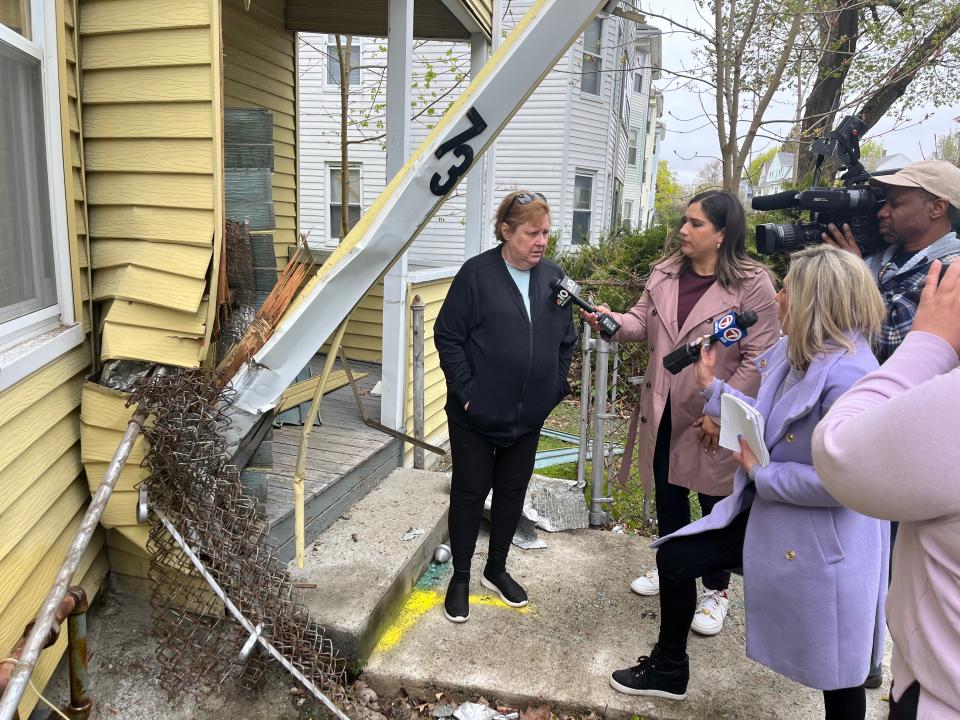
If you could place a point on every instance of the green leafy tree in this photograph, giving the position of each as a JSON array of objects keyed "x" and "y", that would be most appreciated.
[{"x": 668, "y": 202}]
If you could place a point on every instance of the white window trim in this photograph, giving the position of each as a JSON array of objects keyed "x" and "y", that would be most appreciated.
[
  {"x": 332, "y": 40},
  {"x": 332, "y": 240},
  {"x": 30, "y": 342},
  {"x": 597, "y": 96},
  {"x": 592, "y": 174}
]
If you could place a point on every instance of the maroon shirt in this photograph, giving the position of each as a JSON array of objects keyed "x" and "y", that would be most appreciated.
[{"x": 692, "y": 288}]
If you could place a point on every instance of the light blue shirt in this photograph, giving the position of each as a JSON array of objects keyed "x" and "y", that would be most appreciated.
[{"x": 522, "y": 279}]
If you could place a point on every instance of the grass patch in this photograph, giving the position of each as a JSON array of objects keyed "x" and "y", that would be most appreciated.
[{"x": 552, "y": 443}]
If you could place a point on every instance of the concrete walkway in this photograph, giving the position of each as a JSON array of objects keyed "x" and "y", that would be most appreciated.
[{"x": 582, "y": 623}]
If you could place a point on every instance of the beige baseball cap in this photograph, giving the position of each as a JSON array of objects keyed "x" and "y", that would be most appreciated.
[{"x": 937, "y": 177}]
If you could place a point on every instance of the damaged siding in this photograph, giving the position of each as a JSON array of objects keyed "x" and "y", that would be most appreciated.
[
  {"x": 152, "y": 136},
  {"x": 260, "y": 71}
]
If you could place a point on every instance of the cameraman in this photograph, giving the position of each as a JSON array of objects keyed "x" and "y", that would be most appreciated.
[
  {"x": 918, "y": 221},
  {"x": 923, "y": 205}
]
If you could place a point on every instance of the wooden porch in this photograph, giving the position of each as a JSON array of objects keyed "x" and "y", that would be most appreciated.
[{"x": 346, "y": 459}]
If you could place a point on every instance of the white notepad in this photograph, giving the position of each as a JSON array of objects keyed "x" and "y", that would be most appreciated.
[{"x": 739, "y": 418}]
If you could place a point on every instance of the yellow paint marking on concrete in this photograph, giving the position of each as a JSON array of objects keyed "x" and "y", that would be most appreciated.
[{"x": 419, "y": 604}]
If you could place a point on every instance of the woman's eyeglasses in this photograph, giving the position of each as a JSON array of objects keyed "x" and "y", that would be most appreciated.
[{"x": 525, "y": 199}]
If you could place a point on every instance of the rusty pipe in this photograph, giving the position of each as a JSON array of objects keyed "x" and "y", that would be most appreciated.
[
  {"x": 81, "y": 703},
  {"x": 75, "y": 598}
]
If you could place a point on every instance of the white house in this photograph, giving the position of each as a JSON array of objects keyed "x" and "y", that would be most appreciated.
[
  {"x": 572, "y": 140},
  {"x": 776, "y": 173},
  {"x": 440, "y": 71},
  {"x": 646, "y": 132}
]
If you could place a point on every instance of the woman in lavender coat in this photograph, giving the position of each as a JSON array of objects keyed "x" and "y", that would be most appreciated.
[{"x": 814, "y": 572}]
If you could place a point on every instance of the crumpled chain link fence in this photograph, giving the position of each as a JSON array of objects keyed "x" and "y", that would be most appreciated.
[{"x": 193, "y": 484}]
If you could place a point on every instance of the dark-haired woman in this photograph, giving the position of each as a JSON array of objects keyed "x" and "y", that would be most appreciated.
[
  {"x": 505, "y": 350},
  {"x": 706, "y": 273}
]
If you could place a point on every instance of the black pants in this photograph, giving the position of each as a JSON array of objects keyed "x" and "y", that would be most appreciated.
[
  {"x": 906, "y": 707},
  {"x": 673, "y": 501},
  {"x": 681, "y": 561},
  {"x": 478, "y": 466}
]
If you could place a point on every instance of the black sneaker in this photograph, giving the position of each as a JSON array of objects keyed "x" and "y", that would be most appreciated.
[
  {"x": 655, "y": 677},
  {"x": 506, "y": 587},
  {"x": 456, "y": 605}
]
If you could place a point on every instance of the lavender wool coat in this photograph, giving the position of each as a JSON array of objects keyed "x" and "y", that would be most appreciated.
[{"x": 814, "y": 572}]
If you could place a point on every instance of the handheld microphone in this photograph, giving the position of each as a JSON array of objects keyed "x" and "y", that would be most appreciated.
[
  {"x": 776, "y": 201},
  {"x": 727, "y": 329},
  {"x": 566, "y": 291}
]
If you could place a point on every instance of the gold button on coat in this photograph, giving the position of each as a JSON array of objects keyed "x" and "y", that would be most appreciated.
[
  {"x": 791, "y": 555},
  {"x": 789, "y": 437},
  {"x": 762, "y": 364}
]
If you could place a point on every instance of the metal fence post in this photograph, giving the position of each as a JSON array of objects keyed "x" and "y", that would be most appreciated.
[
  {"x": 598, "y": 513},
  {"x": 418, "y": 381},
  {"x": 587, "y": 346}
]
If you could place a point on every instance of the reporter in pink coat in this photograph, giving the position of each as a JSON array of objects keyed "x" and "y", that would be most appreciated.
[
  {"x": 889, "y": 448},
  {"x": 814, "y": 571},
  {"x": 706, "y": 273}
]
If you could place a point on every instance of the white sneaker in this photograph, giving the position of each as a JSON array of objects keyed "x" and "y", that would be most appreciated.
[
  {"x": 647, "y": 584},
  {"x": 711, "y": 612}
]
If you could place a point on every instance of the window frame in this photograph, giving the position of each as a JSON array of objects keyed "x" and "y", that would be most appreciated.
[
  {"x": 592, "y": 176},
  {"x": 29, "y": 342},
  {"x": 329, "y": 58},
  {"x": 598, "y": 57},
  {"x": 638, "y": 78},
  {"x": 633, "y": 145},
  {"x": 331, "y": 166}
]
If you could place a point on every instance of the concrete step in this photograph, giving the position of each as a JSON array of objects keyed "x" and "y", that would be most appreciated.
[
  {"x": 581, "y": 624},
  {"x": 363, "y": 569}
]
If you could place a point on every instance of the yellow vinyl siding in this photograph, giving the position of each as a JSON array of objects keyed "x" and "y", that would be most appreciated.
[
  {"x": 259, "y": 70},
  {"x": 151, "y": 150},
  {"x": 432, "y": 294},
  {"x": 363, "y": 339}
]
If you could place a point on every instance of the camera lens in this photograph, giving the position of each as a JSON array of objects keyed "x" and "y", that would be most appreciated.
[{"x": 785, "y": 238}]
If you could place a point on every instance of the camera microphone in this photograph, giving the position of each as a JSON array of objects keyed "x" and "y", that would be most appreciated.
[
  {"x": 776, "y": 201},
  {"x": 565, "y": 291},
  {"x": 727, "y": 330}
]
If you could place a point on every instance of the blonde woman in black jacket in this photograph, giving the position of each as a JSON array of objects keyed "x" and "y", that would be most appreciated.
[{"x": 505, "y": 350}]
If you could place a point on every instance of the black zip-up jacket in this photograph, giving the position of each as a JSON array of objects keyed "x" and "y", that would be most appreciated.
[{"x": 510, "y": 368}]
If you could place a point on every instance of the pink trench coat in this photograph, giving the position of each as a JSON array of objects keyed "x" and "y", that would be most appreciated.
[{"x": 654, "y": 319}]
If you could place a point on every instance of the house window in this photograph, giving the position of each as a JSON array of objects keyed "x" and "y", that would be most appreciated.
[
  {"x": 592, "y": 58},
  {"x": 638, "y": 82},
  {"x": 632, "y": 148},
  {"x": 354, "y": 207},
  {"x": 582, "y": 207},
  {"x": 628, "y": 211},
  {"x": 36, "y": 297},
  {"x": 333, "y": 64}
]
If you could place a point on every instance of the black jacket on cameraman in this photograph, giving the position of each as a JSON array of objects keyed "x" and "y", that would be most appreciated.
[{"x": 510, "y": 368}]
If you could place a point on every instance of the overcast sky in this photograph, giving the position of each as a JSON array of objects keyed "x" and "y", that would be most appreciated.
[{"x": 691, "y": 142}]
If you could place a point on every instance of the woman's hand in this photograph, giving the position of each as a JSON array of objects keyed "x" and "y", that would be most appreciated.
[
  {"x": 939, "y": 309},
  {"x": 709, "y": 433},
  {"x": 745, "y": 457},
  {"x": 703, "y": 369},
  {"x": 591, "y": 319}
]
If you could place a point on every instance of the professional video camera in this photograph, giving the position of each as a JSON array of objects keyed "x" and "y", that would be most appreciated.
[{"x": 854, "y": 204}]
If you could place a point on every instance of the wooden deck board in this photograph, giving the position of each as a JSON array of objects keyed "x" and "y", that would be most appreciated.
[{"x": 345, "y": 459}]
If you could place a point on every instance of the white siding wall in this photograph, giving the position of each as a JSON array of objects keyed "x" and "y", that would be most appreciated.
[
  {"x": 441, "y": 242},
  {"x": 638, "y": 122},
  {"x": 561, "y": 131}
]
